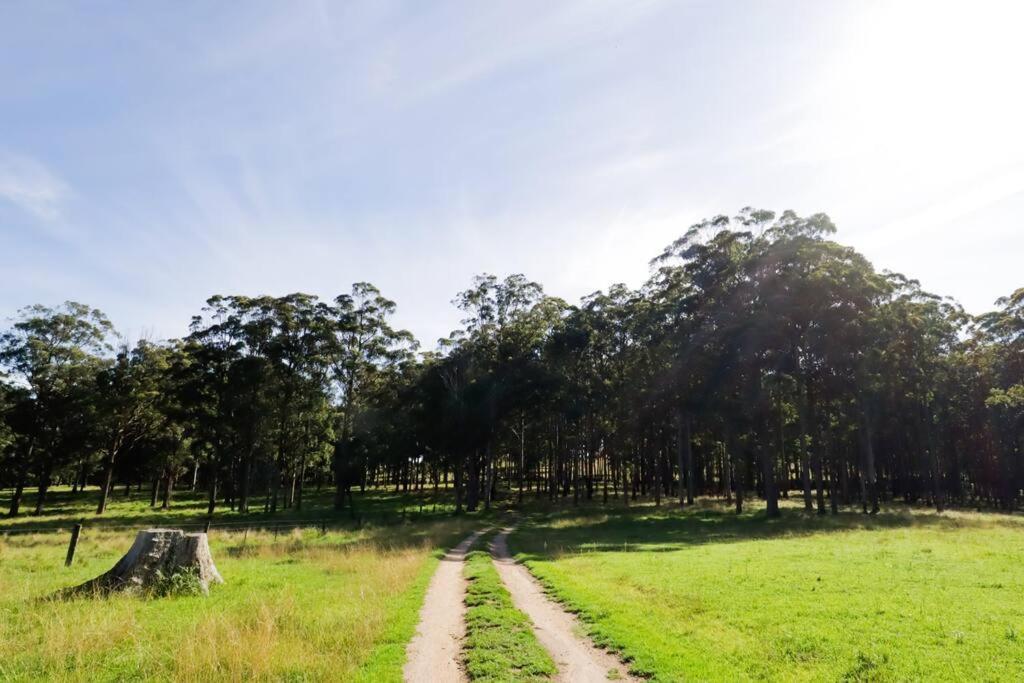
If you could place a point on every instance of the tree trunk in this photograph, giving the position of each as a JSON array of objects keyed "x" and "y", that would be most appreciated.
[
  {"x": 19, "y": 487},
  {"x": 212, "y": 500},
  {"x": 458, "y": 485},
  {"x": 805, "y": 453},
  {"x": 488, "y": 474},
  {"x": 771, "y": 493},
  {"x": 682, "y": 443},
  {"x": 869, "y": 476},
  {"x": 725, "y": 466},
  {"x": 736, "y": 467},
  {"x": 243, "y": 484},
  {"x": 819, "y": 456},
  {"x": 339, "y": 475},
  {"x": 106, "y": 482},
  {"x": 299, "y": 483},
  {"x": 473, "y": 485},
  {"x": 522, "y": 458},
  {"x": 656, "y": 476},
  {"x": 275, "y": 486},
  {"x": 44, "y": 486},
  {"x": 168, "y": 490},
  {"x": 19, "y": 490},
  {"x": 691, "y": 474},
  {"x": 625, "y": 481},
  {"x": 933, "y": 459}
]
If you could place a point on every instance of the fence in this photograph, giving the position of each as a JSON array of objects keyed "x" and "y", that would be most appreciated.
[{"x": 208, "y": 526}]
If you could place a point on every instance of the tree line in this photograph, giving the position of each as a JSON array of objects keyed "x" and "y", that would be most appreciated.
[{"x": 761, "y": 358}]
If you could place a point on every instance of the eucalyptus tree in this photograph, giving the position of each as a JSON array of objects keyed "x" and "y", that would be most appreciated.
[
  {"x": 684, "y": 362},
  {"x": 255, "y": 376},
  {"x": 761, "y": 355},
  {"x": 310, "y": 369},
  {"x": 18, "y": 438},
  {"x": 219, "y": 381},
  {"x": 363, "y": 347},
  {"x": 572, "y": 355},
  {"x": 712, "y": 274},
  {"x": 128, "y": 395},
  {"x": 55, "y": 353},
  {"x": 1000, "y": 348},
  {"x": 826, "y": 295},
  {"x": 171, "y": 441},
  {"x": 297, "y": 351},
  {"x": 504, "y": 324},
  {"x": 755, "y": 301},
  {"x": 522, "y": 379},
  {"x": 446, "y": 418},
  {"x": 8, "y": 401},
  {"x": 919, "y": 331}
]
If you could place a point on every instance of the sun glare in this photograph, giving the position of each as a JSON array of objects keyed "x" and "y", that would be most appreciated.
[{"x": 924, "y": 94}]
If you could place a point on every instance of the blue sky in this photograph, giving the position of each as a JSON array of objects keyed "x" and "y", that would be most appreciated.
[{"x": 153, "y": 154}]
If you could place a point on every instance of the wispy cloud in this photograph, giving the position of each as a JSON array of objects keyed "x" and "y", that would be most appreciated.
[
  {"x": 28, "y": 184},
  {"x": 270, "y": 148}
]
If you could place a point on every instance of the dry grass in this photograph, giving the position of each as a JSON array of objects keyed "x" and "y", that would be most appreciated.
[{"x": 299, "y": 606}]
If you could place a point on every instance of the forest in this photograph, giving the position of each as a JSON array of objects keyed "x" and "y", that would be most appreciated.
[{"x": 762, "y": 358}]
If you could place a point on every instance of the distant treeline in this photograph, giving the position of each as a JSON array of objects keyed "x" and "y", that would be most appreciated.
[{"x": 760, "y": 357}]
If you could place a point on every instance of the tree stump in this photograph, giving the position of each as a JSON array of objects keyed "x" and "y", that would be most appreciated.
[{"x": 156, "y": 555}]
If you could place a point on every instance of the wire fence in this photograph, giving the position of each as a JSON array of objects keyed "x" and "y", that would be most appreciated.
[
  {"x": 323, "y": 525},
  {"x": 355, "y": 520},
  {"x": 208, "y": 526}
]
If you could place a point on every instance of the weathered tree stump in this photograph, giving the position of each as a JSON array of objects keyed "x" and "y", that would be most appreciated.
[{"x": 156, "y": 555}]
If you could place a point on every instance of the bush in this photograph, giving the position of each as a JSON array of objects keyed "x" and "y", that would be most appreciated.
[{"x": 181, "y": 583}]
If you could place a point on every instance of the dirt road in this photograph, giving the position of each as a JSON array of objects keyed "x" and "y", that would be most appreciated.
[
  {"x": 558, "y": 631},
  {"x": 433, "y": 655}
]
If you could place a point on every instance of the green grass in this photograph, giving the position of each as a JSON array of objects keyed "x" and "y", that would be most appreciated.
[
  {"x": 500, "y": 645},
  {"x": 296, "y": 605},
  {"x": 387, "y": 658},
  {"x": 706, "y": 595},
  {"x": 697, "y": 594}
]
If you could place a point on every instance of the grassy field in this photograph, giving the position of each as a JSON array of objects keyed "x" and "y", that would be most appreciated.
[
  {"x": 296, "y": 605},
  {"x": 704, "y": 595},
  {"x": 500, "y": 645},
  {"x": 699, "y": 594}
]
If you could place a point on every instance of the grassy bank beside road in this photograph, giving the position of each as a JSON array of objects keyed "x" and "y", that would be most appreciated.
[{"x": 704, "y": 595}]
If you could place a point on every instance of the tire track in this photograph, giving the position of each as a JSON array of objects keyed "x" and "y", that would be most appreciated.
[
  {"x": 433, "y": 655},
  {"x": 577, "y": 659}
]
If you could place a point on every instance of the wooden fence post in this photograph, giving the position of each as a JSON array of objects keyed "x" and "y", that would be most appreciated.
[{"x": 75, "y": 532}]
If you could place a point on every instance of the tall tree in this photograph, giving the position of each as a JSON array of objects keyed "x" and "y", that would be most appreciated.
[
  {"x": 364, "y": 345},
  {"x": 56, "y": 353}
]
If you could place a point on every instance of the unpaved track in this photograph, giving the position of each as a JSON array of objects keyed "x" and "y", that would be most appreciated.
[
  {"x": 558, "y": 631},
  {"x": 433, "y": 655}
]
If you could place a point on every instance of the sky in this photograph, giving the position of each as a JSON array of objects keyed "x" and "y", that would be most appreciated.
[{"x": 154, "y": 154}]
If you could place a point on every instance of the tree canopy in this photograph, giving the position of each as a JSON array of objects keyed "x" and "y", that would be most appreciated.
[{"x": 761, "y": 357}]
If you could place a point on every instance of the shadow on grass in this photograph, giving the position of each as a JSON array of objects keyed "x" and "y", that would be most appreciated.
[
  {"x": 552, "y": 532},
  {"x": 188, "y": 510}
]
